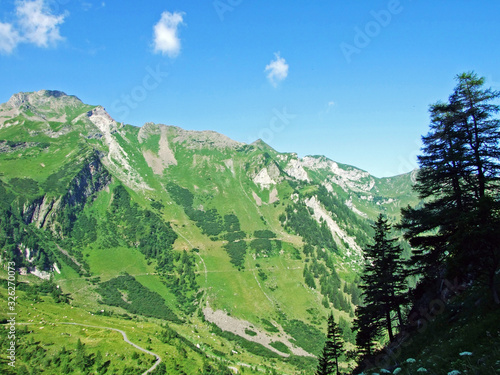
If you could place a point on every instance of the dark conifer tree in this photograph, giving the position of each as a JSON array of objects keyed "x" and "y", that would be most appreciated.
[
  {"x": 383, "y": 285},
  {"x": 456, "y": 229},
  {"x": 81, "y": 358},
  {"x": 441, "y": 182},
  {"x": 481, "y": 130},
  {"x": 329, "y": 359},
  {"x": 98, "y": 360},
  {"x": 476, "y": 246}
]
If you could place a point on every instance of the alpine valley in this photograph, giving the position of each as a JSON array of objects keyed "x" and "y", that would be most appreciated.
[{"x": 212, "y": 255}]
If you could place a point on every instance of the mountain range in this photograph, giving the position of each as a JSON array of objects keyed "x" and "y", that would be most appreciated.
[{"x": 242, "y": 249}]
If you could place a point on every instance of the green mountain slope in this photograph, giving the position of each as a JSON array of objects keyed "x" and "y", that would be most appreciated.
[{"x": 242, "y": 249}]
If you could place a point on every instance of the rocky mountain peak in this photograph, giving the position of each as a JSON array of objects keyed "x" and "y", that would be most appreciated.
[
  {"x": 259, "y": 143},
  {"x": 102, "y": 120},
  {"x": 42, "y": 98}
]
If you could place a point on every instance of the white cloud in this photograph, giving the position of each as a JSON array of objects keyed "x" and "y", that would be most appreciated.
[
  {"x": 166, "y": 38},
  {"x": 34, "y": 23},
  {"x": 277, "y": 70},
  {"x": 37, "y": 24},
  {"x": 9, "y": 38}
]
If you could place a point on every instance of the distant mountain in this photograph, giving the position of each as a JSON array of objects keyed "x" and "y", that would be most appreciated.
[{"x": 262, "y": 244}]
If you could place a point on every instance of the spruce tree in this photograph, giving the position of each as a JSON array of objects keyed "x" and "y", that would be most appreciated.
[
  {"x": 81, "y": 359},
  {"x": 98, "y": 360},
  {"x": 476, "y": 246},
  {"x": 329, "y": 359},
  {"x": 383, "y": 285},
  {"x": 441, "y": 183},
  {"x": 475, "y": 110},
  {"x": 456, "y": 229}
]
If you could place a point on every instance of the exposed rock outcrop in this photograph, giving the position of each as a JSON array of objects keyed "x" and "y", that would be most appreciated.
[
  {"x": 348, "y": 178},
  {"x": 241, "y": 327},
  {"x": 296, "y": 170},
  {"x": 165, "y": 157},
  {"x": 92, "y": 178},
  {"x": 116, "y": 158},
  {"x": 320, "y": 214},
  {"x": 263, "y": 179}
]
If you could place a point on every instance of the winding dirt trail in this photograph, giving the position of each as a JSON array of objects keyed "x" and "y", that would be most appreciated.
[{"x": 125, "y": 338}]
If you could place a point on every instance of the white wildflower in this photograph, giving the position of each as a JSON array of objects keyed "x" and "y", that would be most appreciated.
[
  {"x": 410, "y": 360},
  {"x": 384, "y": 371},
  {"x": 465, "y": 353},
  {"x": 397, "y": 371},
  {"x": 422, "y": 369},
  {"x": 454, "y": 372}
]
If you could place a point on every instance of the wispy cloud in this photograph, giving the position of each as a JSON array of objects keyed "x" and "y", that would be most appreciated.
[
  {"x": 277, "y": 70},
  {"x": 9, "y": 38},
  {"x": 166, "y": 34},
  {"x": 38, "y": 25},
  {"x": 34, "y": 23}
]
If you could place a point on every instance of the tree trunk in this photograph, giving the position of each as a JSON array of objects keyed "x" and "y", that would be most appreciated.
[
  {"x": 389, "y": 324},
  {"x": 400, "y": 318},
  {"x": 493, "y": 288}
]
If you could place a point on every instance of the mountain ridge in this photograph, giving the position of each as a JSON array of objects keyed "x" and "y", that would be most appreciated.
[{"x": 35, "y": 98}]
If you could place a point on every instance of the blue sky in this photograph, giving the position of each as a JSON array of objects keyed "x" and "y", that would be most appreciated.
[{"x": 351, "y": 80}]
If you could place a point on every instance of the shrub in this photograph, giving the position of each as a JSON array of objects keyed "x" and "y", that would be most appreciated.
[
  {"x": 280, "y": 346},
  {"x": 264, "y": 234}
]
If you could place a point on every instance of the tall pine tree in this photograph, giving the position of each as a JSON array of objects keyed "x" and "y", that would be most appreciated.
[
  {"x": 457, "y": 229},
  {"x": 383, "y": 285},
  {"x": 481, "y": 129},
  {"x": 441, "y": 183},
  {"x": 329, "y": 359}
]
